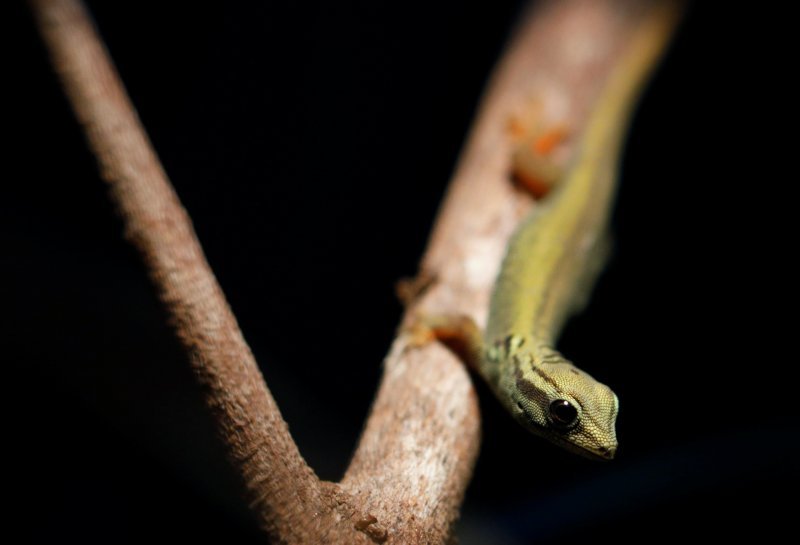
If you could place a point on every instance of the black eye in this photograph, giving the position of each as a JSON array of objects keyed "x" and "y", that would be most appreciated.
[{"x": 562, "y": 413}]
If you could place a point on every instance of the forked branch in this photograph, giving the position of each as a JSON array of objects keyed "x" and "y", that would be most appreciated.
[{"x": 407, "y": 479}]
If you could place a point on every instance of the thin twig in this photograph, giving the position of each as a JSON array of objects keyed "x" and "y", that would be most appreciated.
[{"x": 415, "y": 458}]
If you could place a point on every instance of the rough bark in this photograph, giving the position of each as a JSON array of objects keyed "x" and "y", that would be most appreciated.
[{"x": 407, "y": 478}]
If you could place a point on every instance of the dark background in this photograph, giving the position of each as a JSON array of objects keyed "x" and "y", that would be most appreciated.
[{"x": 311, "y": 145}]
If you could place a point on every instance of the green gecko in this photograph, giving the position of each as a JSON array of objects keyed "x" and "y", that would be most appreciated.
[{"x": 551, "y": 263}]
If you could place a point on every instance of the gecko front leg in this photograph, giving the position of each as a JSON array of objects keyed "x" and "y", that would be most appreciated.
[{"x": 458, "y": 332}]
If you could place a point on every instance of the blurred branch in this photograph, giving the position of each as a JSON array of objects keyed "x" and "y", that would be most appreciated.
[
  {"x": 255, "y": 435},
  {"x": 407, "y": 479}
]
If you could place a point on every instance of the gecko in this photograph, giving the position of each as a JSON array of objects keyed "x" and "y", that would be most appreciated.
[{"x": 552, "y": 261}]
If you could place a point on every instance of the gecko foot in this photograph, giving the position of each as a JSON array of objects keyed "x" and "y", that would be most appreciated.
[
  {"x": 458, "y": 332},
  {"x": 536, "y": 166}
]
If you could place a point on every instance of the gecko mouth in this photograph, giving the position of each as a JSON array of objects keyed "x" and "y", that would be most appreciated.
[
  {"x": 598, "y": 452},
  {"x": 591, "y": 453}
]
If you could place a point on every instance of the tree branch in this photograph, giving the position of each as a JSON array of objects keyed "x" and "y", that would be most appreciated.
[
  {"x": 407, "y": 478},
  {"x": 155, "y": 222}
]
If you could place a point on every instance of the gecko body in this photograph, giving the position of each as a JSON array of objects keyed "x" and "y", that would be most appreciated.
[{"x": 552, "y": 261}]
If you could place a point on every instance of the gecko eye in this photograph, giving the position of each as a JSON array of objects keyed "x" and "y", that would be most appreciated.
[{"x": 563, "y": 414}]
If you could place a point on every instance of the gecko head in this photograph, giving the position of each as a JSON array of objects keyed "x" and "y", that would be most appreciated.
[{"x": 566, "y": 406}]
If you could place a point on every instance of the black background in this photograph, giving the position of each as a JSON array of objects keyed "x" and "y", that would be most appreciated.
[{"x": 311, "y": 144}]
